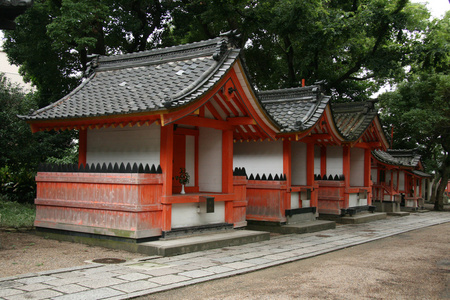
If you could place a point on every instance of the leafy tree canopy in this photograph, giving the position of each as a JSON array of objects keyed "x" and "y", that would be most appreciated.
[
  {"x": 419, "y": 109},
  {"x": 356, "y": 46},
  {"x": 20, "y": 150}
]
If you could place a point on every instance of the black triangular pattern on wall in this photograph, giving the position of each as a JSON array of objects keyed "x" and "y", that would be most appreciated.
[
  {"x": 282, "y": 177},
  {"x": 97, "y": 168}
]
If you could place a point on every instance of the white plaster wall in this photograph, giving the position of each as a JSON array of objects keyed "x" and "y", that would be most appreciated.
[
  {"x": 316, "y": 160},
  {"x": 298, "y": 152},
  {"x": 401, "y": 181},
  {"x": 374, "y": 175},
  {"x": 185, "y": 214},
  {"x": 295, "y": 200},
  {"x": 210, "y": 160},
  {"x": 353, "y": 200},
  {"x": 259, "y": 157},
  {"x": 190, "y": 159},
  {"x": 356, "y": 167},
  {"x": 305, "y": 201},
  {"x": 394, "y": 178},
  {"x": 334, "y": 160},
  {"x": 363, "y": 201},
  {"x": 127, "y": 145}
]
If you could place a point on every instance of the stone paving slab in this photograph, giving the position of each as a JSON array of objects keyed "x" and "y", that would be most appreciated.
[{"x": 156, "y": 274}]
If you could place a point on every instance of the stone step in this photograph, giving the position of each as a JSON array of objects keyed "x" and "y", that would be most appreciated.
[
  {"x": 201, "y": 243},
  {"x": 399, "y": 214},
  {"x": 304, "y": 227},
  {"x": 362, "y": 218}
]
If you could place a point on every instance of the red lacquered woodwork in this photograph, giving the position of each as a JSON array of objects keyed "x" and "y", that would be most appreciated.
[
  {"x": 114, "y": 204},
  {"x": 266, "y": 200},
  {"x": 331, "y": 196},
  {"x": 239, "y": 207}
]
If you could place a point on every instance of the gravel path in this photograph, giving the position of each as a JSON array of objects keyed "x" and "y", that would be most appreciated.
[
  {"x": 403, "y": 258},
  {"x": 24, "y": 252},
  {"x": 413, "y": 265}
]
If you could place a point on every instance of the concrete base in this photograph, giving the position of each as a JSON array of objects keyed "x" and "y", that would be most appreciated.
[
  {"x": 201, "y": 243},
  {"x": 409, "y": 209},
  {"x": 172, "y": 247},
  {"x": 303, "y": 227},
  {"x": 356, "y": 219},
  {"x": 300, "y": 218},
  {"x": 398, "y": 214},
  {"x": 387, "y": 206}
]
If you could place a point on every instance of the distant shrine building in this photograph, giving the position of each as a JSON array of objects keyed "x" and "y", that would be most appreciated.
[{"x": 276, "y": 157}]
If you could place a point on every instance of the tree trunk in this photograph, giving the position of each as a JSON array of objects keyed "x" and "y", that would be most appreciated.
[
  {"x": 434, "y": 186},
  {"x": 445, "y": 172},
  {"x": 289, "y": 50}
]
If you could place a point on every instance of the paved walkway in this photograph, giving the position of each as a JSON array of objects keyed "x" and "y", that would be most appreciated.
[{"x": 146, "y": 276}]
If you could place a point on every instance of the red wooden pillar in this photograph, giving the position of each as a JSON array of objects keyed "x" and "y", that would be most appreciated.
[
  {"x": 346, "y": 171},
  {"x": 323, "y": 161},
  {"x": 420, "y": 187},
  {"x": 166, "y": 162},
  {"x": 227, "y": 161},
  {"x": 380, "y": 192},
  {"x": 310, "y": 173},
  {"x": 367, "y": 171},
  {"x": 287, "y": 169},
  {"x": 391, "y": 186},
  {"x": 82, "y": 147},
  {"x": 227, "y": 172}
]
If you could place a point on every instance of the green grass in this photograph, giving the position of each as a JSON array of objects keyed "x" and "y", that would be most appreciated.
[{"x": 16, "y": 215}]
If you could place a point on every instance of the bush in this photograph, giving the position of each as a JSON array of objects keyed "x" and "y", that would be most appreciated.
[
  {"x": 17, "y": 186},
  {"x": 16, "y": 215}
]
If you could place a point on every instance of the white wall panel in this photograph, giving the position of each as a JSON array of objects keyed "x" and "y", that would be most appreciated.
[
  {"x": 210, "y": 160},
  {"x": 394, "y": 177},
  {"x": 259, "y": 157},
  {"x": 356, "y": 167},
  {"x": 127, "y": 145},
  {"x": 298, "y": 154},
  {"x": 401, "y": 181},
  {"x": 353, "y": 200},
  {"x": 374, "y": 174},
  {"x": 317, "y": 160},
  {"x": 334, "y": 160},
  {"x": 295, "y": 200},
  {"x": 190, "y": 159},
  {"x": 185, "y": 214}
]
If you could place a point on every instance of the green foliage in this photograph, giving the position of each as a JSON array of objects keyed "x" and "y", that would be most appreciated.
[
  {"x": 16, "y": 215},
  {"x": 20, "y": 150},
  {"x": 419, "y": 109},
  {"x": 183, "y": 177},
  {"x": 17, "y": 185},
  {"x": 69, "y": 156},
  {"x": 355, "y": 46}
]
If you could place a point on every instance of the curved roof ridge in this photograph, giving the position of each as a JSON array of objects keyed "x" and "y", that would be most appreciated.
[
  {"x": 130, "y": 87},
  {"x": 158, "y": 55},
  {"x": 295, "y": 109},
  {"x": 404, "y": 160},
  {"x": 58, "y": 102},
  {"x": 353, "y": 118}
]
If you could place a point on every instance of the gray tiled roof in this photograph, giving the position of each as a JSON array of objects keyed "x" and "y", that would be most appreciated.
[
  {"x": 145, "y": 81},
  {"x": 295, "y": 109},
  {"x": 353, "y": 118},
  {"x": 400, "y": 157}
]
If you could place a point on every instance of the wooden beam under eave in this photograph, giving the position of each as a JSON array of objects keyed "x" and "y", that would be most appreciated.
[
  {"x": 205, "y": 122},
  {"x": 241, "y": 121},
  {"x": 368, "y": 145}
]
